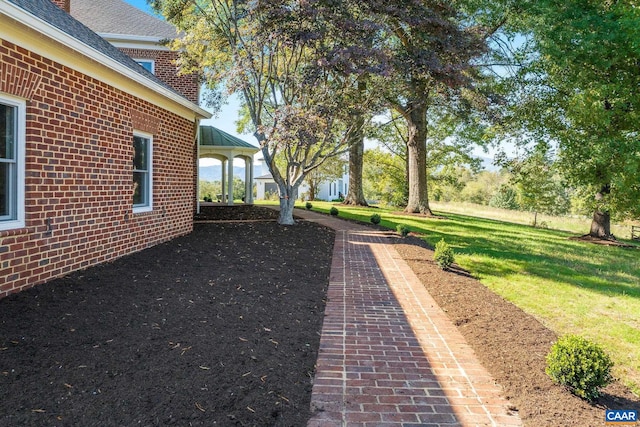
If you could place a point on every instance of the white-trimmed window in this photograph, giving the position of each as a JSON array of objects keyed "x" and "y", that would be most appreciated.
[
  {"x": 12, "y": 146},
  {"x": 148, "y": 65},
  {"x": 142, "y": 172}
]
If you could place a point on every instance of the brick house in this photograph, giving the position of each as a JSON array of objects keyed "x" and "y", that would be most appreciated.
[
  {"x": 137, "y": 34},
  {"x": 97, "y": 155}
]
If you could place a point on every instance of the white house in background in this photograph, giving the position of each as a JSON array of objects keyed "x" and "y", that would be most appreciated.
[{"x": 266, "y": 187}]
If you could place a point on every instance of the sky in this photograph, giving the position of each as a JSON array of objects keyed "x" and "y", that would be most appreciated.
[{"x": 226, "y": 118}]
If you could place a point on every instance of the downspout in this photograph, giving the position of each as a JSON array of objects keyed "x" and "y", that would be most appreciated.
[{"x": 197, "y": 138}]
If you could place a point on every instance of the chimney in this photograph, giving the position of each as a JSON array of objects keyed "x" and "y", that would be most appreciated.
[{"x": 63, "y": 4}]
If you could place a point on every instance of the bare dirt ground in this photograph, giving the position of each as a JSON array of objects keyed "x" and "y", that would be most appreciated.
[
  {"x": 511, "y": 344},
  {"x": 221, "y": 327}
]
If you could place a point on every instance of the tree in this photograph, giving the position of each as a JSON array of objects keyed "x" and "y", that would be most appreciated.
[
  {"x": 432, "y": 50},
  {"x": 539, "y": 186},
  {"x": 209, "y": 189},
  {"x": 297, "y": 81},
  {"x": 330, "y": 170},
  {"x": 451, "y": 137},
  {"x": 506, "y": 198},
  {"x": 355, "y": 193},
  {"x": 384, "y": 177},
  {"x": 580, "y": 89}
]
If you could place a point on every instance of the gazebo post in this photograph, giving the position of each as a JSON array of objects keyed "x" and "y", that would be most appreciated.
[
  {"x": 230, "y": 181},
  {"x": 223, "y": 187},
  {"x": 248, "y": 180}
]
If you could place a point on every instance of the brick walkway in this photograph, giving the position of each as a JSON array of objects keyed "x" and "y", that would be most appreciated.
[{"x": 389, "y": 356}]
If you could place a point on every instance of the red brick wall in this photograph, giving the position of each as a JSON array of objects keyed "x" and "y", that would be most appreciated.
[
  {"x": 166, "y": 70},
  {"x": 79, "y": 192},
  {"x": 63, "y": 4}
]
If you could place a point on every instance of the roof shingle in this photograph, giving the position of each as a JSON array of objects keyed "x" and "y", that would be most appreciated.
[
  {"x": 119, "y": 17},
  {"x": 48, "y": 12}
]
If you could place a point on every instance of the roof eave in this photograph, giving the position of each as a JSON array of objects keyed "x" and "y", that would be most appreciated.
[
  {"x": 136, "y": 42},
  {"x": 16, "y": 13}
]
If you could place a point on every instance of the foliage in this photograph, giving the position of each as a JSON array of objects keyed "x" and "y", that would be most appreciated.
[
  {"x": 538, "y": 184},
  {"x": 578, "y": 89},
  {"x": 208, "y": 189},
  {"x": 238, "y": 189},
  {"x": 580, "y": 365},
  {"x": 334, "y": 211},
  {"x": 448, "y": 147},
  {"x": 402, "y": 229},
  {"x": 375, "y": 218},
  {"x": 505, "y": 198},
  {"x": 296, "y": 67},
  {"x": 481, "y": 187},
  {"x": 211, "y": 190},
  {"x": 385, "y": 177},
  {"x": 443, "y": 255},
  {"x": 308, "y": 206}
]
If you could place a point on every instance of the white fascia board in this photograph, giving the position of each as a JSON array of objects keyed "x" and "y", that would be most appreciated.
[
  {"x": 134, "y": 42},
  {"x": 36, "y": 24}
]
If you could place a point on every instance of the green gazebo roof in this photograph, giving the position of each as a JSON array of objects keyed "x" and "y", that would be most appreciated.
[{"x": 214, "y": 137}]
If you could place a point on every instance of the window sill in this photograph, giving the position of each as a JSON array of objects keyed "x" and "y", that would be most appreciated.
[{"x": 142, "y": 210}]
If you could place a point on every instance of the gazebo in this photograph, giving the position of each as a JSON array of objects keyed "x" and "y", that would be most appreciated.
[{"x": 216, "y": 144}]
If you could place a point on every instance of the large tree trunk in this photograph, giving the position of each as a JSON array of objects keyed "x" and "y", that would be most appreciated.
[
  {"x": 417, "y": 158},
  {"x": 288, "y": 192},
  {"x": 601, "y": 225},
  {"x": 355, "y": 194},
  {"x": 288, "y": 195}
]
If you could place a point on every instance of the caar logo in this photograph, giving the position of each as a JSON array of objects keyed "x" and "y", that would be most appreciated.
[{"x": 621, "y": 417}]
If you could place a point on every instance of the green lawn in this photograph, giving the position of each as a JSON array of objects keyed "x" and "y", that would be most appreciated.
[{"x": 572, "y": 287}]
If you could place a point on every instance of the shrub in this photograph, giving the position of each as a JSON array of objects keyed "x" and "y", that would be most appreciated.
[
  {"x": 308, "y": 205},
  {"x": 580, "y": 365},
  {"x": 334, "y": 211},
  {"x": 375, "y": 219},
  {"x": 402, "y": 229},
  {"x": 443, "y": 255}
]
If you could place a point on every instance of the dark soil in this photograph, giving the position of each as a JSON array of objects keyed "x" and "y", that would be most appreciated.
[
  {"x": 221, "y": 327},
  {"x": 511, "y": 345}
]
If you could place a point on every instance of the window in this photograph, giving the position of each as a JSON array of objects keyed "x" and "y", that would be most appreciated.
[
  {"x": 12, "y": 123},
  {"x": 142, "y": 173},
  {"x": 148, "y": 65}
]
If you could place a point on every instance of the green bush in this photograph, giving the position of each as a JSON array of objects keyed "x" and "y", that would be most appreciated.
[
  {"x": 375, "y": 219},
  {"x": 334, "y": 211},
  {"x": 443, "y": 255},
  {"x": 402, "y": 229},
  {"x": 580, "y": 365},
  {"x": 308, "y": 205}
]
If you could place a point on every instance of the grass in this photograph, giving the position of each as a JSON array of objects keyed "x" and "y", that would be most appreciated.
[
  {"x": 570, "y": 286},
  {"x": 574, "y": 224}
]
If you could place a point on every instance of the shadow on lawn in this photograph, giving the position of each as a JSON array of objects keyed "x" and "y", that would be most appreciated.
[{"x": 516, "y": 249}]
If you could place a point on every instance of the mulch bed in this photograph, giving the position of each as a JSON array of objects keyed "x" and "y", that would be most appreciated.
[
  {"x": 221, "y": 327},
  {"x": 511, "y": 344}
]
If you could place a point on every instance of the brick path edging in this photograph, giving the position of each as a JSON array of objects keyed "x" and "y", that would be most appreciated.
[{"x": 389, "y": 356}]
